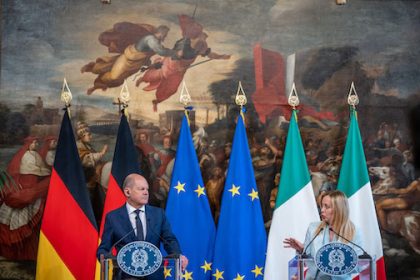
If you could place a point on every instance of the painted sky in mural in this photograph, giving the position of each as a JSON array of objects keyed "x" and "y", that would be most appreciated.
[{"x": 48, "y": 43}]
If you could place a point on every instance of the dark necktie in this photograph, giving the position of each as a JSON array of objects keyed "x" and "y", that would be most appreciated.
[{"x": 139, "y": 225}]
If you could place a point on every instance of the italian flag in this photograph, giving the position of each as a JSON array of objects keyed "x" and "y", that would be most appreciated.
[
  {"x": 354, "y": 182},
  {"x": 295, "y": 205}
]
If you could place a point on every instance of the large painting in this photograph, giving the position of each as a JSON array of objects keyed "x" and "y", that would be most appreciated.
[{"x": 154, "y": 48}]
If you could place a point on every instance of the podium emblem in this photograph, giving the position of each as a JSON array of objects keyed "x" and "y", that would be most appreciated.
[
  {"x": 139, "y": 258},
  {"x": 336, "y": 259}
]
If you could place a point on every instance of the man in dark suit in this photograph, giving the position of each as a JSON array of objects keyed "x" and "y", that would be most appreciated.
[{"x": 122, "y": 224}]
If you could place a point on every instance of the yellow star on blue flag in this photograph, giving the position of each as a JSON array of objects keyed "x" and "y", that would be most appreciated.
[
  {"x": 253, "y": 194},
  {"x": 234, "y": 190},
  {"x": 218, "y": 274},
  {"x": 187, "y": 275},
  {"x": 167, "y": 272},
  {"x": 239, "y": 277},
  {"x": 180, "y": 187},
  {"x": 257, "y": 271},
  {"x": 199, "y": 191},
  {"x": 206, "y": 266}
]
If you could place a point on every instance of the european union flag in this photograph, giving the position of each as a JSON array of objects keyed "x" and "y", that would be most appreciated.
[
  {"x": 188, "y": 209},
  {"x": 241, "y": 239}
]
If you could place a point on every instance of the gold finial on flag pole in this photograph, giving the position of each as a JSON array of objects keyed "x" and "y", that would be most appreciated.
[
  {"x": 293, "y": 99},
  {"x": 240, "y": 99},
  {"x": 353, "y": 98},
  {"x": 124, "y": 98},
  {"x": 66, "y": 95},
  {"x": 185, "y": 98}
]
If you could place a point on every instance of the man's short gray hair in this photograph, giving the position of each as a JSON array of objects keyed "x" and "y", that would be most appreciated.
[{"x": 128, "y": 182}]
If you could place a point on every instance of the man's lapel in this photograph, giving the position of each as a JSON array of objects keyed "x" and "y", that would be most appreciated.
[
  {"x": 126, "y": 224},
  {"x": 149, "y": 223}
]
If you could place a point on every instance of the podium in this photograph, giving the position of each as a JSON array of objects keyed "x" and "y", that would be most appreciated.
[
  {"x": 304, "y": 268},
  {"x": 110, "y": 269}
]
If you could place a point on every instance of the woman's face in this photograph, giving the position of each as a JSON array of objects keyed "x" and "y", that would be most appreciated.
[{"x": 327, "y": 212}]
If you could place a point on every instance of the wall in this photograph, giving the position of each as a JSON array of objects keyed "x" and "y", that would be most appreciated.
[{"x": 319, "y": 45}]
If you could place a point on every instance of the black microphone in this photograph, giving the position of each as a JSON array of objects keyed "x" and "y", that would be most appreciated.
[
  {"x": 165, "y": 242},
  {"x": 304, "y": 255},
  {"x": 109, "y": 254},
  {"x": 365, "y": 255}
]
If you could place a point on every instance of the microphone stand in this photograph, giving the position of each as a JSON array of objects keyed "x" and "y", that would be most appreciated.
[
  {"x": 304, "y": 256},
  {"x": 364, "y": 256},
  {"x": 105, "y": 258},
  {"x": 175, "y": 256}
]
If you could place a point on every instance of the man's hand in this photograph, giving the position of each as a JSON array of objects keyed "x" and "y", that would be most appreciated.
[{"x": 184, "y": 262}]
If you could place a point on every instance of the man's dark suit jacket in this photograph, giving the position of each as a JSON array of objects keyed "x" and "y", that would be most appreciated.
[{"x": 117, "y": 224}]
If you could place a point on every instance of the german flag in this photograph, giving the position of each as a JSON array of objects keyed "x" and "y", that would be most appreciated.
[
  {"x": 69, "y": 234},
  {"x": 125, "y": 162}
]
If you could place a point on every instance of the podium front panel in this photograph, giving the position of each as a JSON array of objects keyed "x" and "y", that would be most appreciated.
[
  {"x": 170, "y": 267},
  {"x": 306, "y": 269}
]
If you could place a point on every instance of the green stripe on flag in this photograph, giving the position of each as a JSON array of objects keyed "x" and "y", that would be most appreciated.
[
  {"x": 294, "y": 161},
  {"x": 353, "y": 173}
]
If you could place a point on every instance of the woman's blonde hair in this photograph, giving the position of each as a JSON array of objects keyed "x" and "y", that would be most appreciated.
[{"x": 341, "y": 219}]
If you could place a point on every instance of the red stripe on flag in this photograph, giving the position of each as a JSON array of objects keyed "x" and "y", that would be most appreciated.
[
  {"x": 380, "y": 269},
  {"x": 114, "y": 199},
  {"x": 69, "y": 231}
]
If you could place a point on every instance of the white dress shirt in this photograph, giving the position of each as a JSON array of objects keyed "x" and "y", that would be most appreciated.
[{"x": 132, "y": 215}]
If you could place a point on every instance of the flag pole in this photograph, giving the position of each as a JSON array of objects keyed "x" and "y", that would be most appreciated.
[{"x": 353, "y": 100}]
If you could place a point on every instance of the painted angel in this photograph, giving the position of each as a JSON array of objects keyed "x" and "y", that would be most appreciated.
[
  {"x": 134, "y": 44},
  {"x": 166, "y": 74}
]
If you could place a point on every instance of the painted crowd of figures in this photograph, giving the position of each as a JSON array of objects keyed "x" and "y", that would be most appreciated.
[{"x": 395, "y": 186}]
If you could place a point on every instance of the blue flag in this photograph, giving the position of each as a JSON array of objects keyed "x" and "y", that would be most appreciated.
[
  {"x": 188, "y": 209},
  {"x": 241, "y": 239}
]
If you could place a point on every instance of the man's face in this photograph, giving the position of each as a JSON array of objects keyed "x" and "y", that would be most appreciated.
[
  {"x": 87, "y": 137},
  {"x": 143, "y": 138},
  {"x": 166, "y": 143},
  {"x": 34, "y": 145},
  {"x": 53, "y": 144},
  {"x": 161, "y": 35},
  {"x": 264, "y": 151},
  {"x": 138, "y": 194}
]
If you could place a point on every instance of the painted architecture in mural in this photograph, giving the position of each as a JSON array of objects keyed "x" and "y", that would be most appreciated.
[{"x": 154, "y": 46}]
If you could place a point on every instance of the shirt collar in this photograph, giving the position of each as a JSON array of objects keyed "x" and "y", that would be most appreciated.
[{"x": 131, "y": 209}]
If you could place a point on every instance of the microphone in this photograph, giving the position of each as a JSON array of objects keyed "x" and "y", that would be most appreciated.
[
  {"x": 165, "y": 242},
  {"x": 304, "y": 255},
  {"x": 109, "y": 254},
  {"x": 365, "y": 255}
]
